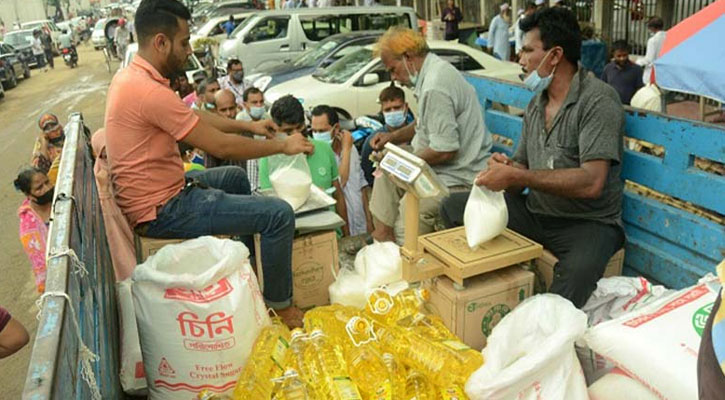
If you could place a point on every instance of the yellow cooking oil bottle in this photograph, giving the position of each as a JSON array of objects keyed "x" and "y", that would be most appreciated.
[
  {"x": 431, "y": 358},
  {"x": 331, "y": 320},
  {"x": 293, "y": 387},
  {"x": 332, "y": 378},
  {"x": 365, "y": 362},
  {"x": 433, "y": 328},
  {"x": 388, "y": 309},
  {"x": 265, "y": 363},
  {"x": 453, "y": 392},
  {"x": 397, "y": 374},
  {"x": 418, "y": 387}
]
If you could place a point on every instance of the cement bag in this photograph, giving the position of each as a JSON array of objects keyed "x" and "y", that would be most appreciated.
[
  {"x": 348, "y": 289},
  {"x": 485, "y": 217},
  {"x": 199, "y": 310},
  {"x": 658, "y": 344},
  {"x": 616, "y": 385},
  {"x": 379, "y": 264},
  {"x": 133, "y": 378},
  {"x": 290, "y": 178},
  {"x": 530, "y": 354}
]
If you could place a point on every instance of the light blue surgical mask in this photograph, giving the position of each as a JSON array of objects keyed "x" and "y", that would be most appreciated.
[
  {"x": 323, "y": 136},
  {"x": 394, "y": 119},
  {"x": 209, "y": 106},
  {"x": 536, "y": 82},
  {"x": 413, "y": 78},
  {"x": 257, "y": 112}
]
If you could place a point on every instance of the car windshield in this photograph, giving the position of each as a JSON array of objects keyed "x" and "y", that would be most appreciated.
[
  {"x": 19, "y": 38},
  {"x": 32, "y": 25},
  {"x": 100, "y": 24},
  {"x": 310, "y": 57},
  {"x": 344, "y": 68}
]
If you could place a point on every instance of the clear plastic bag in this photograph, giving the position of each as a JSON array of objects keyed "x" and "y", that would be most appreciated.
[
  {"x": 486, "y": 215},
  {"x": 290, "y": 178}
]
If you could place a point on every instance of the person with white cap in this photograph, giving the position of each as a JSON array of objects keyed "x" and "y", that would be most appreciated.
[
  {"x": 498, "y": 34},
  {"x": 518, "y": 33},
  {"x": 540, "y": 4}
]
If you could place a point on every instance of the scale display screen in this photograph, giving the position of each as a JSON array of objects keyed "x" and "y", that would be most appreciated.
[{"x": 411, "y": 173}]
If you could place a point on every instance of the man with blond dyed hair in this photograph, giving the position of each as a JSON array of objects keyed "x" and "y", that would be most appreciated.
[{"x": 449, "y": 133}]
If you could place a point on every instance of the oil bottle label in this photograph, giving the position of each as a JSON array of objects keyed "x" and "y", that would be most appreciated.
[
  {"x": 279, "y": 352},
  {"x": 384, "y": 392},
  {"x": 453, "y": 393},
  {"x": 346, "y": 390},
  {"x": 456, "y": 345}
]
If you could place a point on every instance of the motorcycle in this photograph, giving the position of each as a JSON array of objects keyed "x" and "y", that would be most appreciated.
[{"x": 70, "y": 57}]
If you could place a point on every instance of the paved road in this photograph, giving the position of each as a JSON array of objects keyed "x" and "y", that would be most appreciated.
[{"x": 60, "y": 91}]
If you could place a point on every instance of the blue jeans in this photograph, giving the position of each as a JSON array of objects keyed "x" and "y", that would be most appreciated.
[
  {"x": 227, "y": 208},
  {"x": 365, "y": 163}
]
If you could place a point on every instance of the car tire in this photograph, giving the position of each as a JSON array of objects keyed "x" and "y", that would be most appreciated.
[{"x": 11, "y": 82}]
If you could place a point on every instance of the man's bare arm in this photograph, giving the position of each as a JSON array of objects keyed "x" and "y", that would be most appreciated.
[
  {"x": 585, "y": 182},
  {"x": 263, "y": 127},
  {"x": 433, "y": 157},
  {"x": 228, "y": 146}
]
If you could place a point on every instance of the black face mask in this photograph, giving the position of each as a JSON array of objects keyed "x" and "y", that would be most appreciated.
[{"x": 45, "y": 198}]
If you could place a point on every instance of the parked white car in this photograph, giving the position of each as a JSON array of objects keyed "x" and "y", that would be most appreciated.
[
  {"x": 280, "y": 35},
  {"x": 213, "y": 28},
  {"x": 355, "y": 81},
  {"x": 192, "y": 64}
]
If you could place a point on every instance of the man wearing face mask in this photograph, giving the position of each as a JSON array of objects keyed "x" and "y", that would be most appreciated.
[
  {"x": 395, "y": 115},
  {"x": 624, "y": 75},
  {"x": 569, "y": 157},
  {"x": 48, "y": 146},
  {"x": 205, "y": 94},
  {"x": 144, "y": 121},
  {"x": 449, "y": 133},
  {"x": 234, "y": 80},
  {"x": 252, "y": 106},
  {"x": 326, "y": 127},
  {"x": 253, "y": 109}
]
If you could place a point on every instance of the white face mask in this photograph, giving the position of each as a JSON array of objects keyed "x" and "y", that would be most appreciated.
[
  {"x": 536, "y": 82},
  {"x": 412, "y": 78},
  {"x": 257, "y": 112}
]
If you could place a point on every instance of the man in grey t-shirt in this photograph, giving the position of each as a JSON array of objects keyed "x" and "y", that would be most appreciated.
[
  {"x": 449, "y": 133},
  {"x": 569, "y": 157}
]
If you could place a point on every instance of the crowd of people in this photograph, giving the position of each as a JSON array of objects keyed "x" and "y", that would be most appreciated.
[{"x": 190, "y": 157}]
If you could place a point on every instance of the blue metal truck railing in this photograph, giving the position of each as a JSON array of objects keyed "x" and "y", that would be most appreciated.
[
  {"x": 667, "y": 244},
  {"x": 55, "y": 370}
]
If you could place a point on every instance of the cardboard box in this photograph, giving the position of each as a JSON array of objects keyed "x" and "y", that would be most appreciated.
[
  {"x": 314, "y": 256},
  {"x": 545, "y": 265},
  {"x": 146, "y": 247},
  {"x": 459, "y": 261},
  {"x": 471, "y": 313}
]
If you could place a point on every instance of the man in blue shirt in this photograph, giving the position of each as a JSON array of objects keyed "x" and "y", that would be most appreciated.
[
  {"x": 622, "y": 74},
  {"x": 396, "y": 115},
  {"x": 229, "y": 26}
]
